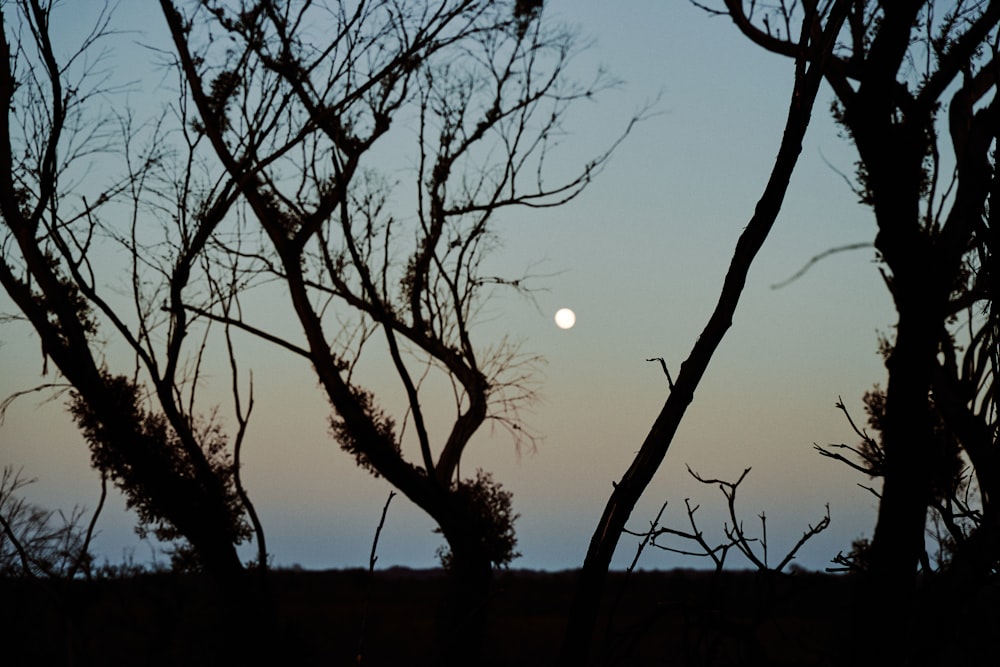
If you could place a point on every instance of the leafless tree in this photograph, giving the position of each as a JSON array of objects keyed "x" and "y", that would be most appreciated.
[
  {"x": 716, "y": 629},
  {"x": 137, "y": 414},
  {"x": 35, "y": 541},
  {"x": 900, "y": 66},
  {"x": 270, "y": 167},
  {"x": 916, "y": 91},
  {"x": 373, "y": 145},
  {"x": 736, "y": 535},
  {"x": 813, "y": 44}
]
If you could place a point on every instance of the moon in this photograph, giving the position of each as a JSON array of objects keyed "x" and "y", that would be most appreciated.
[{"x": 565, "y": 318}]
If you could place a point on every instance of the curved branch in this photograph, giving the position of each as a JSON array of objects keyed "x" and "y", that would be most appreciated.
[
  {"x": 817, "y": 258},
  {"x": 654, "y": 448}
]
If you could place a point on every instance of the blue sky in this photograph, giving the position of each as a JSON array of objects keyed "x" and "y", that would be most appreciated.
[{"x": 640, "y": 257}]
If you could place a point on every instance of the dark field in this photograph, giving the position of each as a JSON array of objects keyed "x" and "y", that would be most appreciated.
[{"x": 349, "y": 618}]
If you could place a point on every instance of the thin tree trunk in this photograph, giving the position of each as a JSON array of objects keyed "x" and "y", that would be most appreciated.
[{"x": 590, "y": 586}]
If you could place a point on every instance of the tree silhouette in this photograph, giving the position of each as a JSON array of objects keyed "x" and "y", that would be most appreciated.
[
  {"x": 473, "y": 95},
  {"x": 35, "y": 541},
  {"x": 138, "y": 416},
  {"x": 813, "y": 48},
  {"x": 929, "y": 181},
  {"x": 279, "y": 163},
  {"x": 916, "y": 93}
]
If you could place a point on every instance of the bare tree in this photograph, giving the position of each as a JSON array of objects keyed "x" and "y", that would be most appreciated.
[
  {"x": 717, "y": 629},
  {"x": 813, "y": 46},
  {"x": 929, "y": 181},
  {"x": 465, "y": 99},
  {"x": 929, "y": 178},
  {"x": 35, "y": 541},
  {"x": 174, "y": 465},
  {"x": 735, "y": 533},
  {"x": 269, "y": 167}
]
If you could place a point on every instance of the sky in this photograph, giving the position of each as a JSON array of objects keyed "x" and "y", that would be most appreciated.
[{"x": 639, "y": 257}]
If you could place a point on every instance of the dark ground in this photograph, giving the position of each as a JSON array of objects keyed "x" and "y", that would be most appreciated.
[{"x": 346, "y": 617}]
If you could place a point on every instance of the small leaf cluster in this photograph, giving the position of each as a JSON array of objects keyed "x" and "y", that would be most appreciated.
[
  {"x": 492, "y": 506},
  {"x": 162, "y": 480},
  {"x": 352, "y": 434}
]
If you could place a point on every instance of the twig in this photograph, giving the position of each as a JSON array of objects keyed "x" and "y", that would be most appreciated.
[
  {"x": 844, "y": 459},
  {"x": 736, "y": 535},
  {"x": 647, "y": 537},
  {"x": 372, "y": 559},
  {"x": 84, "y": 554},
  {"x": 823, "y": 255},
  {"x": 6, "y": 403},
  {"x": 378, "y": 531},
  {"x": 21, "y": 553},
  {"x": 663, "y": 363},
  {"x": 823, "y": 524}
]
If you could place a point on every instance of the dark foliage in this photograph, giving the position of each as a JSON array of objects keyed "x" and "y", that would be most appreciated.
[
  {"x": 153, "y": 453},
  {"x": 491, "y": 506}
]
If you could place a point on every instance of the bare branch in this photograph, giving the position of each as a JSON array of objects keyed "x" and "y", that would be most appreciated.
[
  {"x": 666, "y": 371},
  {"x": 58, "y": 387},
  {"x": 817, "y": 258}
]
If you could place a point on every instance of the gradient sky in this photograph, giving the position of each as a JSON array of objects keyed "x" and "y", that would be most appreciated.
[{"x": 640, "y": 257}]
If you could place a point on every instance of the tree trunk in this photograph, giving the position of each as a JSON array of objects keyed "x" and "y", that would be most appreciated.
[
  {"x": 590, "y": 586},
  {"x": 908, "y": 436},
  {"x": 463, "y": 619},
  {"x": 913, "y": 455}
]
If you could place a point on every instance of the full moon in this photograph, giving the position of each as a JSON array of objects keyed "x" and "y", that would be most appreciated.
[{"x": 565, "y": 318}]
